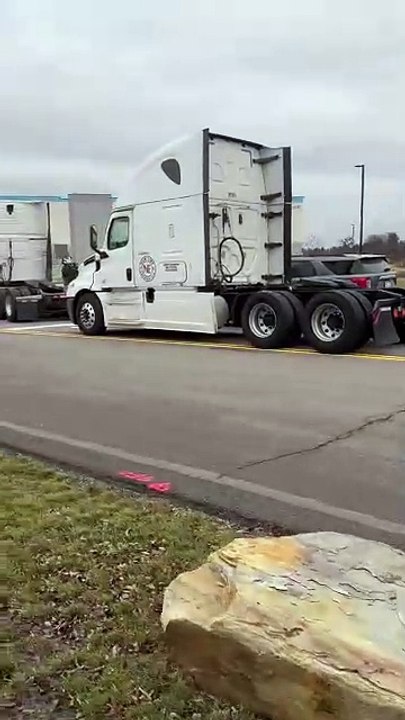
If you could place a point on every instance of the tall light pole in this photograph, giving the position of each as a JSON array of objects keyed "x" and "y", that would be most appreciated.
[{"x": 362, "y": 188}]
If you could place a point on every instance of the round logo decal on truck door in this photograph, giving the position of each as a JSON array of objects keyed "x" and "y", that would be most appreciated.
[{"x": 147, "y": 268}]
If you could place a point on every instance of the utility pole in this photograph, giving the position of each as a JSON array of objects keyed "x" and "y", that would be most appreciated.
[{"x": 362, "y": 189}]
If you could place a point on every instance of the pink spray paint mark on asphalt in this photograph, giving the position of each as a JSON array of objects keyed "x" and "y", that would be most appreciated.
[
  {"x": 160, "y": 487},
  {"x": 148, "y": 480},
  {"x": 136, "y": 477}
]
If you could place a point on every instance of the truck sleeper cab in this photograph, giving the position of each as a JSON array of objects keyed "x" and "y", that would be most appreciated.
[{"x": 203, "y": 239}]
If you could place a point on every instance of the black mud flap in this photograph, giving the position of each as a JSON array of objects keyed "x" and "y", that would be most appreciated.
[{"x": 384, "y": 331}]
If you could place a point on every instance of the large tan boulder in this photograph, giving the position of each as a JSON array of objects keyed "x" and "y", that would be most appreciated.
[{"x": 310, "y": 627}]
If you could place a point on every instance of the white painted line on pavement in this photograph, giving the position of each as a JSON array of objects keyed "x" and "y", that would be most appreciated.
[
  {"x": 43, "y": 326},
  {"x": 297, "y": 501}
]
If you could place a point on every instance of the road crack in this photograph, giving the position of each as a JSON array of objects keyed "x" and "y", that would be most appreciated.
[{"x": 346, "y": 435}]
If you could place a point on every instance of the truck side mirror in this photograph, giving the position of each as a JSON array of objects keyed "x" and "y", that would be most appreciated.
[{"x": 93, "y": 237}]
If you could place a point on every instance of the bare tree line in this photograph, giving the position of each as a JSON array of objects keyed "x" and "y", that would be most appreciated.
[{"x": 388, "y": 244}]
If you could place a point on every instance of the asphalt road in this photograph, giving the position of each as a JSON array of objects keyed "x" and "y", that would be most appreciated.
[{"x": 302, "y": 440}]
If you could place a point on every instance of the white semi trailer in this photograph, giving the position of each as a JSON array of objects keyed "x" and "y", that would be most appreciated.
[
  {"x": 26, "y": 262},
  {"x": 27, "y": 249},
  {"x": 202, "y": 240}
]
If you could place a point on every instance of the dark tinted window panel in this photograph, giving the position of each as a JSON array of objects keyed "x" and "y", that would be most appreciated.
[
  {"x": 302, "y": 269},
  {"x": 171, "y": 168},
  {"x": 339, "y": 267},
  {"x": 118, "y": 234},
  {"x": 321, "y": 269}
]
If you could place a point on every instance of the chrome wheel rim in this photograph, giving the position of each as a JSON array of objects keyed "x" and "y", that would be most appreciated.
[
  {"x": 262, "y": 320},
  {"x": 328, "y": 322},
  {"x": 87, "y": 316}
]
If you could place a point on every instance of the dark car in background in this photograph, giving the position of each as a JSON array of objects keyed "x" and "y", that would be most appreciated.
[
  {"x": 308, "y": 267},
  {"x": 369, "y": 272},
  {"x": 310, "y": 270}
]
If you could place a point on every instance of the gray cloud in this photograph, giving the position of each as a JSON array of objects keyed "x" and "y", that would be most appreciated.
[{"x": 89, "y": 88}]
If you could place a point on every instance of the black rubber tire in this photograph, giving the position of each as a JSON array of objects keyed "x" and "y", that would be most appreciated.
[
  {"x": 98, "y": 328},
  {"x": 11, "y": 295},
  {"x": 285, "y": 320},
  {"x": 299, "y": 316},
  {"x": 352, "y": 337},
  {"x": 2, "y": 306},
  {"x": 400, "y": 328},
  {"x": 368, "y": 312}
]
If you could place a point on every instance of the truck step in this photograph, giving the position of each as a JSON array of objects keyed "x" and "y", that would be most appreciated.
[
  {"x": 271, "y": 215},
  {"x": 270, "y": 197},
  {"x": 265, "y": 160}
]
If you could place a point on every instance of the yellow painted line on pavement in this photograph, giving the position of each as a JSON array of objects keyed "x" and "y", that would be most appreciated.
[{"x": 201, "y": 344}]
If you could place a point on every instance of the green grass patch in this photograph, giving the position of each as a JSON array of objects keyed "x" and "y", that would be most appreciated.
[{"x": 85, "y": 569}]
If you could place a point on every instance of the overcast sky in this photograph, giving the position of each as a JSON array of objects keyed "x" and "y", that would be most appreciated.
[{"x": 89, "y": 87}]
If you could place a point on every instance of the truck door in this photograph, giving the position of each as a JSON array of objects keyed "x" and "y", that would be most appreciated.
[{"x": 115, "y": 278}]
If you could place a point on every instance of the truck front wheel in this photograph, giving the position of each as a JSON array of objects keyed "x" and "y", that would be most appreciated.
[
  {"x": 335, "y": 322},
  {"x": 268, "y": 320},
  {"x": 89, "y": 315}
]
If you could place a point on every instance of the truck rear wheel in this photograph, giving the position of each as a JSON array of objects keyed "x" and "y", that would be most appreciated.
[
  {"x": 335, "y": 322},
  {"x": 299, "y": 316},
  {"x": 89, "y": 315},
  {"x": 268, "y": 320},
  {"x": 2, "y": 303},
  {"x": 368, "y": 312},
  {"x": 10, "y": 304}
]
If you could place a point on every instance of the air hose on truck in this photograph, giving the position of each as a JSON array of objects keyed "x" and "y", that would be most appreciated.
[{"x": 227, "y": 239}]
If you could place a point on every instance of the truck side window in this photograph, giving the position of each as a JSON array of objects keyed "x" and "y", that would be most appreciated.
[{"x": 118, "y": 233}]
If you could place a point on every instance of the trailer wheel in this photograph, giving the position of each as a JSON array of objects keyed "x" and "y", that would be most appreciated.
[
  {"x": 335, "y": 322},
  {"x": 10, "y": 304},
  {"x": 89, "y": 315},
  {"x": 268, "y": 320},
  {"x": 2, "y": 303}
]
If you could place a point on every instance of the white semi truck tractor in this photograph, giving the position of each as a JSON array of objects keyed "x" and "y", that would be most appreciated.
[{"x": 202, "y": 240}]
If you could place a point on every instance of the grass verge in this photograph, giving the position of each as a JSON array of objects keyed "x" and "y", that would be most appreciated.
[{"x": 84, "y": 575}]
